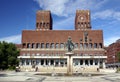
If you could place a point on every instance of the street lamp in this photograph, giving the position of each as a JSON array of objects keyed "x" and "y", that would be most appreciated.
[{"x": 114, "y": 60}]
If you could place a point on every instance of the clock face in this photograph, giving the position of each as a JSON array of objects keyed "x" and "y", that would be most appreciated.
[{"x": 82, "y": 18}]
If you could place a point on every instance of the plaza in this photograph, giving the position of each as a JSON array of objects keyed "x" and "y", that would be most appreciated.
[{"x": 9, "y": 76}]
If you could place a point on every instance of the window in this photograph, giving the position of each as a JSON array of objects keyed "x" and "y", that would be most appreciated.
[
  {"x": 38, "y": 45},
  {"x": 37, "y": 24},
  {"x": 24, "y": 54},
  {"x": 52, "y": 45},
  {"x": 43, "y": 24},
  {"x": 47, "y": 25},
  {"x": 95, "y": 45},
  {"x": 90, "y": 45},
  {"x": 85, "y": 45},
  {"x": 61, "y": 45},
  {"x": 86, "y": 62},
  {"x": 76, "y": 45},
  {"x": 42, "y": 45},
  {"x": 37, "y": 54},
  {"x": 47, "y": 45},
  {"x": 57, "y": 45},
  {"x": 23, "y": 61},
  {"x": 28, "y": 45},
  {"x": 96, "y": 62},
  {"x": 81, "y": 62},
  {"x": 23, "y": 45},
  {"x": 40, "y": 24},
  {"x": 91, "y": 62},
  {"x": 81, "y": 45},
  {"x": 33, "y": 45},
  {"x": 27, "y": 62},
  {"x": 37, "y": 62},
  {"x": 100, "y": 45},
  {"x": 42, "y": 62}
]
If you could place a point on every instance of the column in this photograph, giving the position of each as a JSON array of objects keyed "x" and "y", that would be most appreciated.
[
  {"x": 25, "y": 62},
  {"x": 103, "y": 64},
  {"x": 29, "y": 62},
  {"x": 59, "y": 62},
  {"x": 44, "y": 62},
  {"x": 88, "y": 62},
  {"x": 93, "y": 62},
  {"x": 98, "y": 62},
  {"x": 83, "y": 62},
  {"x": 39, "y": 62},
  {"x": 54, "y": 62},
  {"x": 20, "y": 63},
  {"x": 49, "y": 63},
  {"x": 78, "y": 62},
  {"x": 64, "y": 63}
]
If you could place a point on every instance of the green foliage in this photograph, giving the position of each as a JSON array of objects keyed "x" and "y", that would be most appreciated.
[
  {"x": 118, "y": 56},
  {"x": 8, "y": 55}
]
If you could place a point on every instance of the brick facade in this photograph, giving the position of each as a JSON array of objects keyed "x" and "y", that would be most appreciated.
[{"x": 43, "y": 42}]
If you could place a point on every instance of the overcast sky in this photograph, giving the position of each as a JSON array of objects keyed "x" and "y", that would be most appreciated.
[{"x": 18, "y": 15}]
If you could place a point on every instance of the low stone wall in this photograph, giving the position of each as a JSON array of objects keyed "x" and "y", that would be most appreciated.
[
  {"x": 51, "y": 69},
  {"x": 108, "y": 70}
]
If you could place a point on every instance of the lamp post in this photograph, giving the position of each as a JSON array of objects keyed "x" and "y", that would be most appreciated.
[{"x": 114, "y": 60}]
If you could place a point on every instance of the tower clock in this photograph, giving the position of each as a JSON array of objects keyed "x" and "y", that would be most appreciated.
[{"x": 82, "y": 20}]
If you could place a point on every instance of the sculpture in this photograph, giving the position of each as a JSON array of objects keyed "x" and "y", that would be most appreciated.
[{"x": 69, "y": 44}]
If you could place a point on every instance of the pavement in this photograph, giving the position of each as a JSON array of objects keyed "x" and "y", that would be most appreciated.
[{"x": 12, "y": 76}]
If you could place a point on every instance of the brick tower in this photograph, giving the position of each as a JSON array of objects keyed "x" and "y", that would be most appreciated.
[
  {"x": 43, "y": 20},
  {"x": 82, "y": 20}
]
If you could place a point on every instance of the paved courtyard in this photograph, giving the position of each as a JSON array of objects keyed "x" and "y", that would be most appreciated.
[{"x": 11, "y": 76}]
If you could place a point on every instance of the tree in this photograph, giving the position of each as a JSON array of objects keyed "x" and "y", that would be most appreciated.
[
  {"x": 8, "y": 55},
  {"x": 118, "y": 56}
]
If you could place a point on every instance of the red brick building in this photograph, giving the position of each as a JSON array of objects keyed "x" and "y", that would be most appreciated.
[
  {"x": 112, "y": 51},
  {"x": 44, "y": 47}
]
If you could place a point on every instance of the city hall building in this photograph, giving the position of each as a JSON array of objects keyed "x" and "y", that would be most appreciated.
[{"x": 45, "y": 49}]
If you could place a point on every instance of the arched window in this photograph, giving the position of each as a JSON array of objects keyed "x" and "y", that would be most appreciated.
[
  {"x": 40, "y": 24},
  {"x": 43, "y": 24},
  {"x": 42, "y": 45},
  {"x": 91, "y": 62},
  {"x": 85, "y": 45},
  {"x": 38, "y": 45},
  {"x": 23, "y": 45},
  {"x": 52, "y": 45},
  {"x": 56, "y": 45},
  {"x": 61, "y": 45},
  {"x": 28, "y": 45},
  {"x": 37, "y": 24},
  {"x": 90, "y": 45},
  {"x": 100, "y": 45},
  {"x": 81, "y": 62},
  {"x": 33, "y": 45},
  {"x": 47, "y": 45},
  {"x": 86, "y": 62},
  {"x": 81, "y": 45},
  {"x": 95, "y": 45}
]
